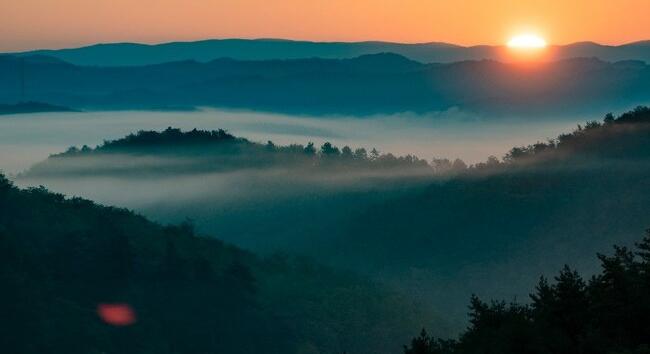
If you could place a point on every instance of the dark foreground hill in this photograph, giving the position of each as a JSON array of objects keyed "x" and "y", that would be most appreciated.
[
  {"x": 605, "y": 314},
  {"x": 118, "y": 54},
  {"x": 66, "y": 264},
  {"x": 370, "y": 84}
]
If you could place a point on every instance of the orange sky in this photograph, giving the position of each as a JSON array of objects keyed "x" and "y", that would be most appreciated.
[{"x": 27, "y": 24}]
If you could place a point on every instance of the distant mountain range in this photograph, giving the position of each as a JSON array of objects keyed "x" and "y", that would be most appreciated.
[
  {"x": 123, "y": 54},
  {"x": 369, "y": 84}
]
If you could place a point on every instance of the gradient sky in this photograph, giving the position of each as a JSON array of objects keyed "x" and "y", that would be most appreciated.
[{"x": 29, "y": 24}]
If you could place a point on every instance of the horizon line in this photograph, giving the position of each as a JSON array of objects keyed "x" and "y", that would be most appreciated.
[{"x": 252, "y": 39}]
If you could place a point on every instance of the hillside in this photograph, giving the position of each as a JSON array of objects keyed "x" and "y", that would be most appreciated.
[
  {"x": 64, "y": 262},
  {"x": 371, "y": 84},
  {"x": 487, "y": 231}
]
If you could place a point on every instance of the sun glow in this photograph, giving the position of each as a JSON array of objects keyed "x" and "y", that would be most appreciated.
[{"x": 527, "y": 41}]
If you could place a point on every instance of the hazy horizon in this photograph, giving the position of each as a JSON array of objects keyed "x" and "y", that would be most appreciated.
[{"x": 308, "y": 40}]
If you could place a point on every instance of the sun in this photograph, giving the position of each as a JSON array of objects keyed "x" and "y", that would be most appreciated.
[{"x": 527, "y": 41}]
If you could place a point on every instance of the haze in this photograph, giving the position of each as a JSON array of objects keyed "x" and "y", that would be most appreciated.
[{"x": 30, "y": 138}]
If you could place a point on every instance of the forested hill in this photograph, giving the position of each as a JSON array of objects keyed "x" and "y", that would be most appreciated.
[
  {"x": 492, "y": 231},
  {"x": 602, "y": 312},
  {"x": 622, "y": 138},
  {"x": 164, "y": 289},
  {"x": 608, "y": 313},
  {"x": 173, "y": 151}
]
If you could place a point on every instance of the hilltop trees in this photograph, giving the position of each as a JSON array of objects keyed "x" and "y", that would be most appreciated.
[
  {"x": 609, "y": 313},
  {"x": 174, "y": 151},
  {"x": 230, "y": 152},
  {"x": 591, "y": 138},
  {"x": 425, "y": 344}
]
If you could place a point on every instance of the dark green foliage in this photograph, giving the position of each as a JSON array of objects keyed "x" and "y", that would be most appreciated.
[
  {"x": 150, "y": 139},
  {"x": 328, "y": 150},
  {"x": 173, "y": 151},
  {"x": 609, "y": 314},
  {"x": 425, "y": 344},
  {"x": 60, "y": 258},
  {"x": 594, "y": 139}
]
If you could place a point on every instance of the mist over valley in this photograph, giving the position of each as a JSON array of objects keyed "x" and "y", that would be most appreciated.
[{"x": 346, "y": 211}]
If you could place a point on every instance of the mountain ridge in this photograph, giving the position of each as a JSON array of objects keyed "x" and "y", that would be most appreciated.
[
  {"x": 130, "y": 53},
  {"x": 381, "y": 83}
]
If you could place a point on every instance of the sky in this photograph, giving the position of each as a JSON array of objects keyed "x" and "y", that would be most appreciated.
[{"x": 31, "y": 24}]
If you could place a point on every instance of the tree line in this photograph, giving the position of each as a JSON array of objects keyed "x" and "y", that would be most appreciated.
[
  {"x": 590, "y": 137},
  {"x": 608, "y": 313}
]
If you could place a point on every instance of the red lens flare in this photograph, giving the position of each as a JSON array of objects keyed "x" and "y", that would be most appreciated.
[{"x": 116, "y": 314}]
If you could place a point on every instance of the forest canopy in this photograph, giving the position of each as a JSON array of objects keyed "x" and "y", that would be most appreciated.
[
  {"x": 176, "y": 151},
  {"x": 64, "y": 261},
  {"x": 608, "y": 313}
]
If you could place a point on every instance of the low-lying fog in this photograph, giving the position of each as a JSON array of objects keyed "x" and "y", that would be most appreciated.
[
  {"x": 280, "y": 210},
  {"x": 28, "y": 138}
]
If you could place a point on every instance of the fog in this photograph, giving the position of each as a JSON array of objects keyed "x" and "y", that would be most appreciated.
[
  {"x": 223, "y": 203},
  {"x": 29, "y": 138},
  {"x": 346, "y": 219}
]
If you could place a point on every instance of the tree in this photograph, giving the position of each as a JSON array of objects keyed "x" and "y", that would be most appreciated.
[
  {"x": 327, "y": 150},
  {"x": 425, "y": 344},
  {"x": 498, "y": 328},
  {"x": 361, "y": 154},
  {"x": 644, "y": 251},
  {"x": 561, "y": 312},
  {"x": 458, "y": 165},
  {"x": 492, "y": 161},
  {"x": 310, "y": 149},
  {"x": 346, "y": 152},
  {"x": 374, "y": 154},
  {"x": 441, "y": 166}
]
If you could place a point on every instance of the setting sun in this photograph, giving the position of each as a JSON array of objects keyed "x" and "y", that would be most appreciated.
[{"x": 527, "y": 41}]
